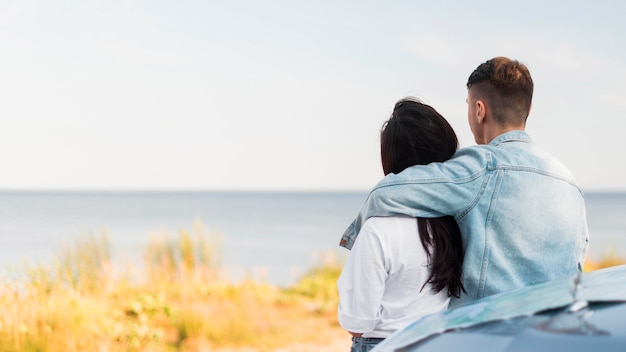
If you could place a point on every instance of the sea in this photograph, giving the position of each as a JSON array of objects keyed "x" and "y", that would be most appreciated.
[{"x": 272, "y": 237}]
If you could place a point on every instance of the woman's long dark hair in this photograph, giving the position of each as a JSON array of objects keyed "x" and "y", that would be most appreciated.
[{"x": 416, "y": 134}]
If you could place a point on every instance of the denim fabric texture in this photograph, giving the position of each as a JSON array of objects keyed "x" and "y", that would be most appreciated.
[
  {"x": 364, "y": 344},
  {"x": 521, "y": 213}
]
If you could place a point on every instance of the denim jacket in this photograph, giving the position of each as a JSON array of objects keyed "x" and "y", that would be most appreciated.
[{"x": 521, "y": 214}]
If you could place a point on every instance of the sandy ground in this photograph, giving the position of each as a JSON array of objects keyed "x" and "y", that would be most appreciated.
[
  {"x": 336, "y": 340},
  {"x": 335, "y": 345}
]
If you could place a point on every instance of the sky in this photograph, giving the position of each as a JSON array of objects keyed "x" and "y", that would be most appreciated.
[{"x": 286, "y": 95}]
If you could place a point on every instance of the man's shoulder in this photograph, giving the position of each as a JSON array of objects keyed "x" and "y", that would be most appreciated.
[
  {"x": 474, "y": 151},
  {"x": 475, "y": 156},
  {"x": 516, "y": 151}
]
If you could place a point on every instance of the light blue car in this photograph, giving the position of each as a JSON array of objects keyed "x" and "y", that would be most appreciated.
[{"x": 584, "y": 313}]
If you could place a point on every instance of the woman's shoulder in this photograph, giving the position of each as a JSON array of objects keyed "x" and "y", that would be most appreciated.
[
  {"x": 389, "y": 220},
  {"x": 381, "y": 226}
]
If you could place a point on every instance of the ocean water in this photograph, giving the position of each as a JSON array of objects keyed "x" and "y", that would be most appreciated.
[{"x": 272, "y": 237}]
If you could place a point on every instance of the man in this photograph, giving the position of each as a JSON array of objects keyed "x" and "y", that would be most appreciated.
[{"x": 521, "y": 213}]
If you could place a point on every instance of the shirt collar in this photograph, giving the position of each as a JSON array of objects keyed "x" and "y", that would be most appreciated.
[{"x": 511, "y": 136}]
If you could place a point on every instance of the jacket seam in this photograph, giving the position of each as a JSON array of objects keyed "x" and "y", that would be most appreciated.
[
  {"x": 463, "y": 180},
  {"x": 540, "y": 172},
  {"x": 493, "y": 204}
]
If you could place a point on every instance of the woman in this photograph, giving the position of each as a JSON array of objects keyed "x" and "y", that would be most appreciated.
[{"x": 401, "y": 268}]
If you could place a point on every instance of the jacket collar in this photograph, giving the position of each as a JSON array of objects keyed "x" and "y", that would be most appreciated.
[{"x": 511, "y": 136}]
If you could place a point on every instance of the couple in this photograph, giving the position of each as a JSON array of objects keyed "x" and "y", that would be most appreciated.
[{"x": 520, "y": 213}]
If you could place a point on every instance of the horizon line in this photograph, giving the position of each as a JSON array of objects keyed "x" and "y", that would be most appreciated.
[
  {"x": 217, "y": 191},
  {"x": 174, "y": 190}
]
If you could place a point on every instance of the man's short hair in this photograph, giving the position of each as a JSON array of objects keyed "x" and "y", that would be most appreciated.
[{"x": 506, "y": 87}]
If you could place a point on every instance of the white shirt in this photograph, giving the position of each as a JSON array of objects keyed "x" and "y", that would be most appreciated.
[{"x": 379, "y": 286}]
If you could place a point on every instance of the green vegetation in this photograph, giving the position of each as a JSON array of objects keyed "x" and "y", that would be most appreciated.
[{"x": 178, "y": 302}]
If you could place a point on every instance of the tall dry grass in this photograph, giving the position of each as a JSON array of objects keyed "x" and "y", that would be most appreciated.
[
  {"x": 607, "y": 260},
  {"x": 178, "y": 301}
]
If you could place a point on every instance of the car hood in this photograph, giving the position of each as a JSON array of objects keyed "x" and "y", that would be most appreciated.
[{"x": 606, "y": 285}]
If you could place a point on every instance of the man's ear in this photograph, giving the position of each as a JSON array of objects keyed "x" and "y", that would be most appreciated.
[{"x": 481, "y": 111}]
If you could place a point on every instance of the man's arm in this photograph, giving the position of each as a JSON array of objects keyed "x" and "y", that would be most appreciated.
[{"x": 432, "y": 190}]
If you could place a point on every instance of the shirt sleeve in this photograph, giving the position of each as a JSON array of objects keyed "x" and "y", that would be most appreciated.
[
  {"x": 433, "y": 190},
  {"x": 362, "y": 283}
]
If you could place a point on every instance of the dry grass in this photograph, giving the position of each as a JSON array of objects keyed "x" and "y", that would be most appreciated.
[
  {"x": 608, "y": 260},
  {"x": 84, "y": 303}
]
